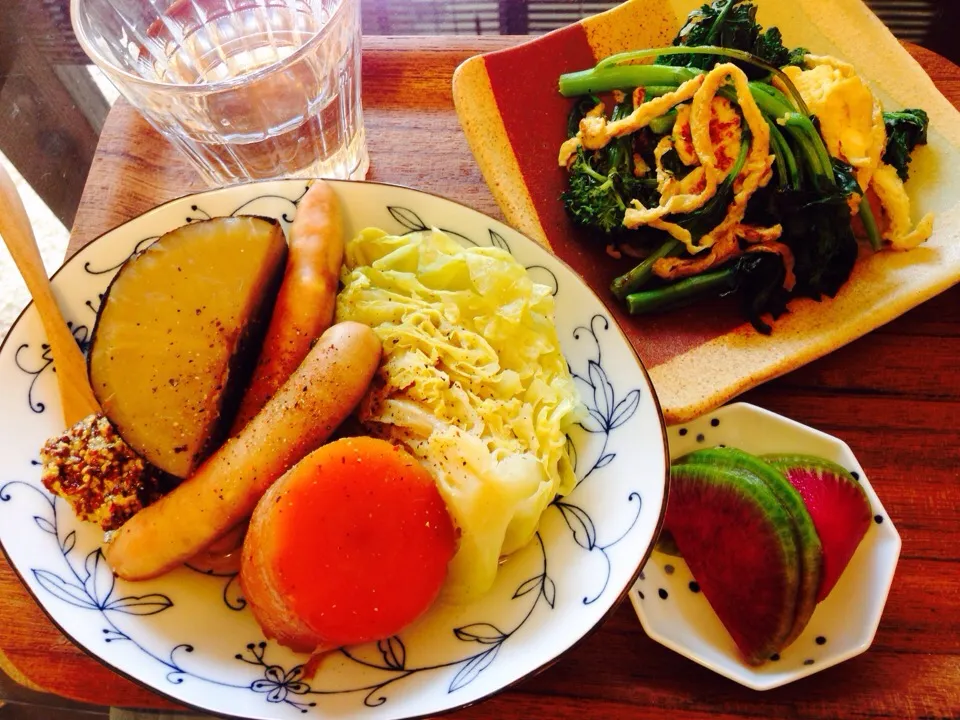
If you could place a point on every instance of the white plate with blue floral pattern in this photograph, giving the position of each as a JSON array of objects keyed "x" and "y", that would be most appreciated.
[
  {"x": 189, "y": 636},
  {"x": 674, "y": 612}
]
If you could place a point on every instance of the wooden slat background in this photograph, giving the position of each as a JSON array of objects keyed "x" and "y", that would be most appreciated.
[{"x": 908, "y": 19}]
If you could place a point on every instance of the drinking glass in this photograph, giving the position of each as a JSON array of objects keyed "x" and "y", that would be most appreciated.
[{"x": 248, "y": 89}]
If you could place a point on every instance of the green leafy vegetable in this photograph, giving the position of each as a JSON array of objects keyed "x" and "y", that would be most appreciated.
[
  {"x": 905, "y": 130},
  {"x": 674, "y": 165},
  {"x": 759, "y": 279},
  {"x": 846, "y": 178},
  {"x": 816, "y": 228},
  {"x": 729, "y": 24},
  {"x": 847, "y": 184},
  {"x": 602, "y": 183},
  {"x": 798, "y": 57},
  {"x": 785, "y": 164},
  {"x": 592, "y": 198}
]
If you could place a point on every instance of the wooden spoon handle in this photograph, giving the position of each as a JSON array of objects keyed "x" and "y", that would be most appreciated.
[{"x": 76, "y": 395}]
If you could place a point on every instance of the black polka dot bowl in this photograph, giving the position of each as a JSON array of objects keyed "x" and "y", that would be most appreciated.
[{"x": 675, "y": 613}]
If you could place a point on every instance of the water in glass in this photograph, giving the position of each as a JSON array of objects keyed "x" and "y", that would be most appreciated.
[{"x": 249, "y": 89}]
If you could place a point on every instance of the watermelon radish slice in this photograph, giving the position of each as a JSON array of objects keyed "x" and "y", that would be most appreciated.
[
  {"x": 808, "y": 541},
  {"x": 838, "y": 505},
  {"x": 739, "y": 543}
]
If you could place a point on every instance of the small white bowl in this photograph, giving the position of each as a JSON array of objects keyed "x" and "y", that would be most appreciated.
[{"x": 674, "y": 613}]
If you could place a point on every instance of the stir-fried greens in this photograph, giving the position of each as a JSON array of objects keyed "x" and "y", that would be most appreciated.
[{"x": 735, "y": 164}]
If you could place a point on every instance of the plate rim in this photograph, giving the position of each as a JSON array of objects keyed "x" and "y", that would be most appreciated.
[{"x": 604, "y": 617}]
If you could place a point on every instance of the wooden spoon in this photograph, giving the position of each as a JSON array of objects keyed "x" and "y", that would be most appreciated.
[{"x": 76, "y": 395}]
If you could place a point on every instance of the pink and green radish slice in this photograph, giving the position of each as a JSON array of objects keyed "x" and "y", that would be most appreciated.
[
  {"x": 838, "y": 505},
  {"x": 808, "y": 541},
  {"x": 739, "y": 543}
]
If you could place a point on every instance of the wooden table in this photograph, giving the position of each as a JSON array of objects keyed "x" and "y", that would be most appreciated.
[{"x": 893, "y": 395}]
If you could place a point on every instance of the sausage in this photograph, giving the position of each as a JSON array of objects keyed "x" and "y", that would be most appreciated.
[{"x": 306, "y": 300}]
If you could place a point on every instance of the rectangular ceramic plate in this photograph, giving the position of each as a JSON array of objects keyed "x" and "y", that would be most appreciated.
[{"x": 699, "y": 357}]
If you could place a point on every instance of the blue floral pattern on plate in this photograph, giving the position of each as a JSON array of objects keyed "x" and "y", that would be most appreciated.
[{"x": 189, "y": 635}]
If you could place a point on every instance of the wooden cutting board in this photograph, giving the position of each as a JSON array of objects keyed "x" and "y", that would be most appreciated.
[{"x": 894, "y": 396}]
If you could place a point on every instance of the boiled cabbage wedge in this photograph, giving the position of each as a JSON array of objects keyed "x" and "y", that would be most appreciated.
[{"x": 472, "y": 383}]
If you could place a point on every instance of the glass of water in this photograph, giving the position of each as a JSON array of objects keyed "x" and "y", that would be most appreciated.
[{"x": 248, "y": 89}]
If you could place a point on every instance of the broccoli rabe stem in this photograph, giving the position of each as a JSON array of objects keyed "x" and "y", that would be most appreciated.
[
  {"x": 803, "y": 131},
  {"x": 586, "y": 82},
  {"x": 811, "y": 152},
  {"x": 787, "y": 171},
  {"x": 598, "y": 77},
  {"x": 663, "y": 124},
  {"x": 777, "y": 147},
  {"x": 595, "y": 175},
  {"x": 870, "y": 224},
  {"x": 652, "y": 91},
  {"x": 768, "y": 104},
  {"x": 682, "y": 291},
  {"x": 636, "y": 278},
  {"x": 772, "y": 91}
]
